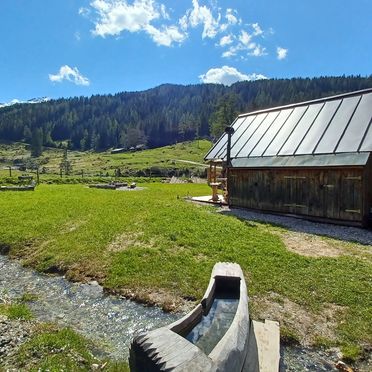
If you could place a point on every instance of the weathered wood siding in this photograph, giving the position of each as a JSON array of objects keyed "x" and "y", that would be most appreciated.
[
  {"x": 367, "y": 191},
  {"x": 331, "y": 193}
]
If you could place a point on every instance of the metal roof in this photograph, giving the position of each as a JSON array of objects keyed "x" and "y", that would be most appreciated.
[
  {"x": 340, "y": 124},
  {"x": 329, "y": 160}
]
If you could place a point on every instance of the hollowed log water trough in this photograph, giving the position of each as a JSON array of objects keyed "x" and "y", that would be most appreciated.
[{"x": 217, "y": 335}]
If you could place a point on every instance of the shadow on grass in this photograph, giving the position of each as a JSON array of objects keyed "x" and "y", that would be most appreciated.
[{"x": 4, "y": 248}]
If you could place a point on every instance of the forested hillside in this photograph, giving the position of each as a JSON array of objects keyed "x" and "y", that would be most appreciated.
[{"x": 159, "y": 116}]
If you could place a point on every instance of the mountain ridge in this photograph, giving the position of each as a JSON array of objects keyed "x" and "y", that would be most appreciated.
[{"x": 158, "y": 116}]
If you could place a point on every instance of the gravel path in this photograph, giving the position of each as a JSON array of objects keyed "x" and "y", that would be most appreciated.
[{"x": 352, "y": 234}]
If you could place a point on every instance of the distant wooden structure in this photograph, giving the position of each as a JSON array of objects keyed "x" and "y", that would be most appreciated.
[
  {"x": 311, "y": 159},
  {"x": 110, "y": 186},
  {"x": 25, "y": 183},
  {"x": 215, "y": 179},
  {"x": 118, "y": 150}
]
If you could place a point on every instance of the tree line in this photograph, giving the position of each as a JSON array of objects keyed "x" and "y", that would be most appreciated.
[{"x": 156, "y": 117}]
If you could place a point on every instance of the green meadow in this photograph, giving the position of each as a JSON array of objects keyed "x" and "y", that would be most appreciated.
[
  {"x": 156, "y": 247},
  {"x": 179, "y": 158}
]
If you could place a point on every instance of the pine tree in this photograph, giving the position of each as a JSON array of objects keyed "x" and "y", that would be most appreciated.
[
  {"x": 65, "y": 164},
  {"x": 224, "y": 115},
  {"x": 37, "y": 142}
]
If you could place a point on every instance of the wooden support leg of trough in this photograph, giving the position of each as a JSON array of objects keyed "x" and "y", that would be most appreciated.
[{"x": 215, "y": 192}]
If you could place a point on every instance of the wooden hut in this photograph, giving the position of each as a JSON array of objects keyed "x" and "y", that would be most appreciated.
[{"x": 311, "y": 159}]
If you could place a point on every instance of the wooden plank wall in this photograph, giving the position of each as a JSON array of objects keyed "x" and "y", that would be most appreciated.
[
  {"x": 332, "y": 193},
  {"x": 367, "y": 190}
]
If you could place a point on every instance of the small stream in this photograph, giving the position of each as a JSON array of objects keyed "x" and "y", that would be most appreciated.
[{"x": 110, "y": 320}]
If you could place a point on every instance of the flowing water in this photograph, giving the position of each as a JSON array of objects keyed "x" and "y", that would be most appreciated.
[
  {"x": 110, "y": 320},
  {"x": 214, "y": 325},
  {"x": 113, "y": 321}
]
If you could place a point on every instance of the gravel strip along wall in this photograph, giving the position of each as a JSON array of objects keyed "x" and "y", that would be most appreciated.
[{"x": 347, "y": 233}]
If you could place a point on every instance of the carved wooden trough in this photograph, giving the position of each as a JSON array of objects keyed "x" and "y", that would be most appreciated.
[
  {"x": 112, "y": 185},
  {"x": 30, "y": 187},
  {"x": 217, "y": 335}
]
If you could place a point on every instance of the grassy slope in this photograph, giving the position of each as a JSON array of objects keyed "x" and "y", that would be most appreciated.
[
  {"x": 154, "y": 241},
  {"x": 50, "y": 347},
  {"x": 93, "y": 162},
  {"x": 61, "y": 349}
]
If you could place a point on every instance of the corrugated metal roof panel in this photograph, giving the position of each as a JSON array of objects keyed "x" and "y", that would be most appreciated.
[
  {"x": 282, "y": 136},
  {"x": 237, "y": 146},
  {"x": 329, "y": 160},
  {"x": 330, "y": 125},
  {"x": 337, "y": 126},
  {"x": 367, "y": 142},
  {"x": 357, "y": 127},
  {"x": 266, "y": 140},
  {"x": 295, "y": 138},
  {"x": 238, "y": 133},
  {"x": 258, "y": 133},
  {"x": 319, "y": 126}
]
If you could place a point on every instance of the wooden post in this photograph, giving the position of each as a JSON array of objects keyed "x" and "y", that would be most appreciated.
[
  {"x": 10, "y": 171},
  {"x": 82, "y": 173},
  {"x": 37, "y": 176},
  {"x": 60, "y": 172}
]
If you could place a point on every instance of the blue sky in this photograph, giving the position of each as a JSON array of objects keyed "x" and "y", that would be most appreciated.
[{"x": 63, "y": 48}]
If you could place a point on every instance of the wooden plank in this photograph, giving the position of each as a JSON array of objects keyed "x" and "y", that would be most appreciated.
[{"x": 331, "y": 193}]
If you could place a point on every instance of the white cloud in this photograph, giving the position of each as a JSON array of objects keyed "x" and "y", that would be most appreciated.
[
  {"x": 226, "y": 40},
  {"x": 227, "y": 75},
  {"x": 245, "y": 38},
  {"x": 117, "y": 16},
  {"x": 229, "y": 53},
  {"x": 85, "y": 12},
  {"x": 166, "y": 36},
  {"x": 183, "y": 22},
  {"x": 77, "y": 36},
  {"x": 202, "y": 15},
  {"x": 258, "y": 51},
  {"x": 164, "y": 12},
  {"x": 70, "y": 74},
  {"x": 257, "y": 29},
  {"x": 281, "y": 53},
  {"x": 233, "y": 51},
  {"x": 245, "y": 43},
  {"x": 238, "y": 38},
  {"x": 230, "y": 16}
]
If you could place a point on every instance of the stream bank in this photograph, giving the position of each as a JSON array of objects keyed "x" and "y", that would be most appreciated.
[{"x": 112, "y": 321}]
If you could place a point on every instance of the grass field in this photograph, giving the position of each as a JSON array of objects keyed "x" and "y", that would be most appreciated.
[
  {"x": 47, "y": 346},
  {"x": 156, "y": 247},
  {"x": 101, "y": 163}
]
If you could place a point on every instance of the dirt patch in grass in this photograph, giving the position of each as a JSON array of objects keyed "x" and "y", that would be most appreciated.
[
  {"x": 305, "y": 326},
  {"x": 85, "y": 272},
  {"x": 166, "y": 300},
  {"x": 125, "y": 241},
  {"x": 310, "y": 245},
  {"x": 72, "y": 226}
]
